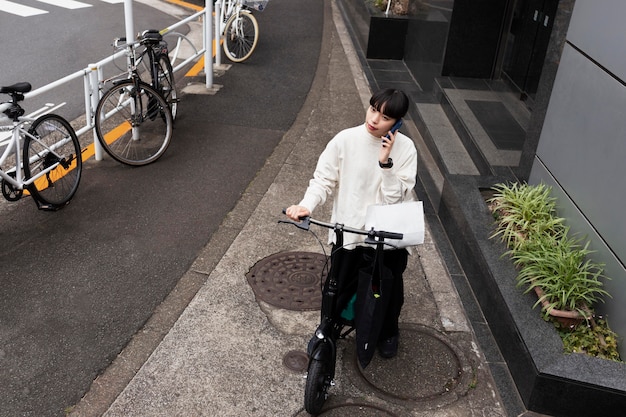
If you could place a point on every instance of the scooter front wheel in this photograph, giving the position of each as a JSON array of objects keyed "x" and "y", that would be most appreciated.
[{"x": 318, "y": 381}]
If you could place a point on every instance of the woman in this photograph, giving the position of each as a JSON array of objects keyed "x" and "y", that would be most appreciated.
[{"x": 365, "y": 165}]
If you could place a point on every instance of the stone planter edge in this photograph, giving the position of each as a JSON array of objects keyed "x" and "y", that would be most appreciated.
[{"x": 547, "y": 380}]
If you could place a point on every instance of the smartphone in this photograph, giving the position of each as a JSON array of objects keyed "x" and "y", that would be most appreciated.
[{"x": 395, "y": 127}]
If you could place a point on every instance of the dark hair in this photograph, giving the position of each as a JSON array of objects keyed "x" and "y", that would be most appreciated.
[{"x": 394, "y": 103}]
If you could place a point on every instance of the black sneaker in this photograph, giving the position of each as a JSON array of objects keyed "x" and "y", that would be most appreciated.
[{"x": 388, "y": 348}]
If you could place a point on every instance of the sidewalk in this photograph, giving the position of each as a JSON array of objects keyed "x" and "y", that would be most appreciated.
[{"x": 225, "y": 355}]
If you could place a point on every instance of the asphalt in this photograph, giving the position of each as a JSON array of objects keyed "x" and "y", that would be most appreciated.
[{"x": 232, "y": 353}]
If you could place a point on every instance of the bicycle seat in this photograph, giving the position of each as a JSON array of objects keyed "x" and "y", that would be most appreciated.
[
  {"x": 16, "y": 88},
  {"x": 151, "y": 36}
]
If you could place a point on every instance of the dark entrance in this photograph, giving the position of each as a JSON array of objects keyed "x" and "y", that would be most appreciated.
[{"x": 527, "y": 42}]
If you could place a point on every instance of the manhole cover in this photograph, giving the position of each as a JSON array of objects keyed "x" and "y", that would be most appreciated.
[
  {"x": 289, "y": 280},
  {"x": 427, "y": 369},
  {"x": 296, "y": 360}
]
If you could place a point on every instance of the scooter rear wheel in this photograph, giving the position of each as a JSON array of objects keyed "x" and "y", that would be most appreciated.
[{"x": 317, "y": 383}]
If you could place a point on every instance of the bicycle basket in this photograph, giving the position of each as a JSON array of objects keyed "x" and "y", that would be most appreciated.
[{"x": 259, "y": 5}]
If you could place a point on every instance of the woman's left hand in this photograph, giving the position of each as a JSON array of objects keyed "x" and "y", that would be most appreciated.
[{"x": 385, "y": 149}]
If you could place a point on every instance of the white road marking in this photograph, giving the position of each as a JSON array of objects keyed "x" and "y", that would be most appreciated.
[
  {"x": 68, "y": 4},
  {"x": 18, "y": 9}
]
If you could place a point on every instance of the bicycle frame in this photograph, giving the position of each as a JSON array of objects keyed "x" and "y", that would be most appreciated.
[
  {"x": 131, "y": 73},
  {"x": 154, "y": 53},
  {"x": 375, "y": 238},
  {"x": 227, "y": 9},
  {"x": 131, "y": 65},
  {"x": 322, "y": 348},
  {"x": 14, "y": 147}
]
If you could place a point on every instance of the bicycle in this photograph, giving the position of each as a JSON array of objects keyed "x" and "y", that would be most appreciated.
[
  {"x": 44, "y": 160},
  {"x": 157, "y": 68},
  {"x": 239, "y": 27},
  {"x": 322, "y": 348},
  {"x": 133, "y": 119}
]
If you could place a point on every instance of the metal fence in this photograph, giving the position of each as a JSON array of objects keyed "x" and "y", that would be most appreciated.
[{"x": 93, "y": 78}]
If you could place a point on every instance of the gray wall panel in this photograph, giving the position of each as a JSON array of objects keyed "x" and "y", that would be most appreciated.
[
  {"x": 598, "y": 29},
  {"x": 583, "y": 143}
]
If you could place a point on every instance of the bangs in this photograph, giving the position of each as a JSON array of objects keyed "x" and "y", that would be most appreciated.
[{"x": 390, "y": 102}]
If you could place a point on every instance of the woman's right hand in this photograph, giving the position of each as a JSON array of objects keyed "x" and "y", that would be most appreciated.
[{"x": 297, "y": 212}]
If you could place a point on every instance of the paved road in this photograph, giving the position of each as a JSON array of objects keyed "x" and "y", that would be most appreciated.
[
  {"x": 79, "y": 283},
  {"x": 66, "y": 40}
]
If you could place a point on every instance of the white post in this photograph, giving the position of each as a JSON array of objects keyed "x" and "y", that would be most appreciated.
[
  {"x": 218, "y": 34},
  {"x": 208, "y": 50},
  {"x": 93, "y": 80},
  {"x": 128, "y": 20}
]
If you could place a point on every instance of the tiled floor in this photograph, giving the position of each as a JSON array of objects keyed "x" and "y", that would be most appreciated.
[{"x": 503, "y": 130}]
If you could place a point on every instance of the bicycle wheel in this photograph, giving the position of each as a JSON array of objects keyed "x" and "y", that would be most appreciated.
[
  {"x": 167, "y": 84},
  {"x": 241, "y": 35},
  {"x": 54, "y": 150},
  {"x": 317, "y": 383},
  {"x": 133, "y": 123}
]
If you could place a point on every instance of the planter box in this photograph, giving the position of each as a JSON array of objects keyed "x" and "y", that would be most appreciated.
[
  {"x": 547, "y": 380},
  {"x": 387, "y": 36},
  {"x": 380, "y": 36}
]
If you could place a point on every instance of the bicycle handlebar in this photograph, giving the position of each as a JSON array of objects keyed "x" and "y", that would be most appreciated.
[
  {"x": 149, "y": 36},
  {"x": 373, "y": 236}
]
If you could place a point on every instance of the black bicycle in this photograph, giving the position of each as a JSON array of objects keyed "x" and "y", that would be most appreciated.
[
  {"x": 134, "y": 118},
  {"x": 155, "y": 67},
  {"x": 322, "y": 348}
]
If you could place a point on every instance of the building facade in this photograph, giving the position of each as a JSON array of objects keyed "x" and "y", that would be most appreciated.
[{"x": 565, "y": 61}]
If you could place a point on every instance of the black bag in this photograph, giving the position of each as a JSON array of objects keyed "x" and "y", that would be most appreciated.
[{"x": 373, "y": 294}]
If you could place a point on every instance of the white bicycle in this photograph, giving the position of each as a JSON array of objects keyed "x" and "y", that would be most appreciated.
[
  {"x": 239, "y": 27},
  {"x": 40, "y": 155}
]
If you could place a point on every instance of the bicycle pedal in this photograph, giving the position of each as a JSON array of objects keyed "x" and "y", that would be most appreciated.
[
  {"x": 47, "y": 207},
  {"x": 50, "y": 207}
]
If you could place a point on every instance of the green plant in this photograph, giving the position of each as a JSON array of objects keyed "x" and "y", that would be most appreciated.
[
  {"x": 523, "y": 211},
  {"x": 594, "y": 339},
  {"x": 548, "y": 258},
  {"x": 559, "y": 266},
  {"x": 381, "y": 4}
]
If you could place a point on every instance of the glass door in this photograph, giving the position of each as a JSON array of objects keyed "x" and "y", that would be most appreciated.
[{"x": 527, "y": 43}]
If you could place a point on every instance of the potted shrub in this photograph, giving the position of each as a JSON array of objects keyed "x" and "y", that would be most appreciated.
[
  {"x": 557, "y": 269},
  {"x": 522, "y": 211},
  {"x": 550, "y": 262}
]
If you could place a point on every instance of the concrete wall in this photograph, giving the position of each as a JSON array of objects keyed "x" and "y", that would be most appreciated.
[{"x": 582, "y": 146}]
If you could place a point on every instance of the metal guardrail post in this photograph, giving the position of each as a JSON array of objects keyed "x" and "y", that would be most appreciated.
[
  {"x": 128, "y": 20},
  {"x": 93, "y": 81},
  {"x": 218, "y": 35},
  {"x": 208, "y": 42}
]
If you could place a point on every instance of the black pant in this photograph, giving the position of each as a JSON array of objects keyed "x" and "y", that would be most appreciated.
[{"x": 349, "y": 262}]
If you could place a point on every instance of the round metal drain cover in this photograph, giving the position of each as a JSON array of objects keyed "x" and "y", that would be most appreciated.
[
  {"x": 289, "y": 280},
  {"x": 427, "y": 368},
  {"x": 296, "y": 360}
]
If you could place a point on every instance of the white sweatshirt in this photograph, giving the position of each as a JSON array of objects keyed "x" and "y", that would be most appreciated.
[{"x": 348, "y": 170}]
